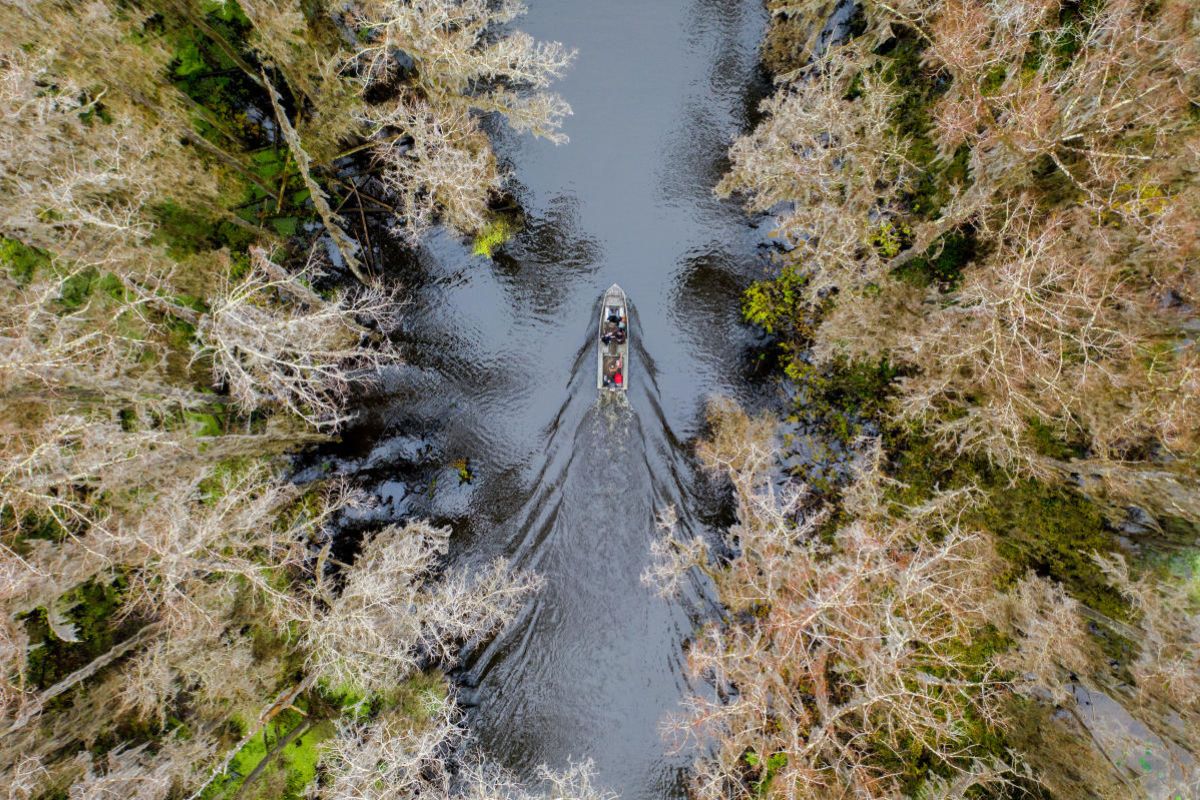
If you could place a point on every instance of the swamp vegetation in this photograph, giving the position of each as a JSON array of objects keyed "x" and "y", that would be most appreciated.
[
  {"x": 985, "y": 299},
  {"x": 987, "y": 293}
]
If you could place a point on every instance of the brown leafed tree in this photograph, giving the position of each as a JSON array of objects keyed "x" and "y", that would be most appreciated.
[
  {"x": 843, "y": 653},
  {"x": 1073, "y": 314}
]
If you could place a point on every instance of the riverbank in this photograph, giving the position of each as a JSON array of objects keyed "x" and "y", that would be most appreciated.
[{"x": 985, "y": 273}]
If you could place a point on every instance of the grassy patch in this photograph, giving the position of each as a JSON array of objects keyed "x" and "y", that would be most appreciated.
[
  {"x": 294, "y": 765},
  {"x": 419, "y": 697},
  {"x": 291, "y": 768},
  {"x": 183, "y": 231}
]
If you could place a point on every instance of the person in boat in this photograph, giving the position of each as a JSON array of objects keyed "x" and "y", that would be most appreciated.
[
  {"x": 621, "y": 333},
  {"x": 610, "y": 333},
  {"x": 612, "y": 372}
]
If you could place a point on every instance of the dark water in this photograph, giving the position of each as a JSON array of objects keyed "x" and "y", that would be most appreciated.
[{"x": 502, "y": 372}]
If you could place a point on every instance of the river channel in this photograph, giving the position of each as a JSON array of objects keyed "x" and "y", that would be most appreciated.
[{"x": 501, "y": 374}]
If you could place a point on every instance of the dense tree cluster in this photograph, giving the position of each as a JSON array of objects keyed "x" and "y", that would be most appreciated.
[
  {"x": 845, "y": 648},
  {"x": 871, "y": 649},
  {"x": 169, "y": 598},
  {"x": 1059, "y": 140},
  {"x": 988, "y": 214}
]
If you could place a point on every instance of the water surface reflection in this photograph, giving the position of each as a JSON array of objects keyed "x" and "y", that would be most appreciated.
[{"x": 501, "y": 372}]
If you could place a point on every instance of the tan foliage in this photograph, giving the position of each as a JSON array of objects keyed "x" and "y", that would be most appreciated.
[
  {"x": 1076, "y": 313},
  {"x": 389, "y": 613},
  {"x": 393, "y": 757},
  {"x": 273, "y": 340},
  {"x": 849, "y": 648},
  {"x": 88, "y": 211},
  {"x": 840, "y": 651},
  {"x": 390, "y": 757},
  {"x": 447, "y": 173},
  {"x": 116, "y": 469},
  {"x": 1167, "y": 669},
  {"x": 836, "y": 165},
  {"x": 461, "y": 63},
  {"x": 1053, "y": 643}
]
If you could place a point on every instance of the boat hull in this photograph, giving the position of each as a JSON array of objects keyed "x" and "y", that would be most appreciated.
[{"x": 612, "y": 356}]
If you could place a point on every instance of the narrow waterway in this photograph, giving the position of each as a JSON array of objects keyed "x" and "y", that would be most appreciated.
[{"x": 502, "y": 372}]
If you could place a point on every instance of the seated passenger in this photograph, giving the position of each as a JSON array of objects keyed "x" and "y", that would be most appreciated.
[
  {"x": 617, "y": 380},
  {"x": 610, "y": 331}
]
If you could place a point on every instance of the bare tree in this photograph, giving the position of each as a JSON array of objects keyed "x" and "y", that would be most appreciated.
[
  {"x": 1080, "y": 198},
  {"x": 273, "y": 340},
  {"x": 135, "y": 774},
  {"x": 448, "y": 172},
  {"x": 464, "y": 66},
  {"x": 838, "y": 166},
  {"x": 99, "y": 204},
  {"x": 1053, "y": 643},
  {"x": 390, "y": 613},
  {"x": 1167, "y": 669},
  {"x": 106, "y": 478},
  {"x": 483, "y": 781},
  {"x": 462, "y": 62},
  {"x": 390, "y": 757}
]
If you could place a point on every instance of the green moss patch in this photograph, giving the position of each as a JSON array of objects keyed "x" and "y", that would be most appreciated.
[
  {"x": 1050, "y": 529},
  {"x": 779, "y": 305},
  {"x": 291, "y": 768},
  {"x": 497, "y": 232},
  {"x": 942, "y": 264},
  {"x": 86, "y": 614},
  {"x": 1054, "y": 531},
  {"x": 20, "y": 260}
]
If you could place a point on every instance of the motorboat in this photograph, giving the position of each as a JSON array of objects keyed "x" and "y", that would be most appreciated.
[{"x": 612, "y": 342}]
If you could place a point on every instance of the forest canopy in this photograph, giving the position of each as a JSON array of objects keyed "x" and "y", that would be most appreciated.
[
  {"x": 986, "y": 294},
  {"x": 190, "y": 291}
]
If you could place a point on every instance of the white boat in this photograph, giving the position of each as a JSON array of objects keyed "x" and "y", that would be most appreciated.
[{"x": 612, "y": 342}]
